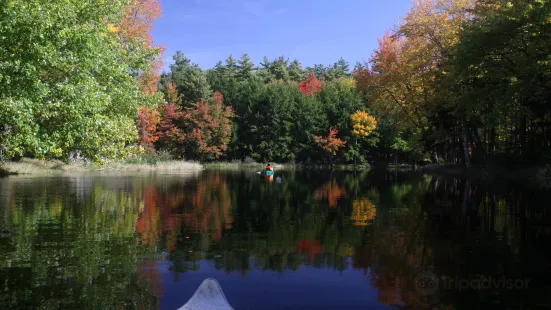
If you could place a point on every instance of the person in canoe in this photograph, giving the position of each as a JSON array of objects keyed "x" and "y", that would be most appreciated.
[{"x": 269, "y": 173}]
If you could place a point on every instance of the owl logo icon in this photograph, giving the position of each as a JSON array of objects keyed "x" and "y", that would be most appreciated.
[{"x": 426, "y": 283}]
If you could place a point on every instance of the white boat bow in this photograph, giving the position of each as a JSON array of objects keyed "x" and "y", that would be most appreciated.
[{"x": 209, "y": 296}]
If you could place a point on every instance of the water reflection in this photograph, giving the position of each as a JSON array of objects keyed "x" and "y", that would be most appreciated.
[{"x": 110, "y": 242}]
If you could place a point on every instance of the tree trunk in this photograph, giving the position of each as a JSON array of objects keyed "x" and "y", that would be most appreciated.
[
  {"x": 492, "y": 146},
  {"x": 356, "y": 155},
  {"x": 466, "y": 194},
  {"x": 478, "y": 147},
  {"x": 466, "y": 147},
  {"x": 522, "y": 137}
]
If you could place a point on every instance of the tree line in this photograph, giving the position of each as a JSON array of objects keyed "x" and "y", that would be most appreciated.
[
  {"x": 457, "y": 81},
  {"x": 278, "y": 111}
]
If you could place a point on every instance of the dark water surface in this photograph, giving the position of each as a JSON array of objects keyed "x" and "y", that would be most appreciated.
[{"x": 301, "y": 240}]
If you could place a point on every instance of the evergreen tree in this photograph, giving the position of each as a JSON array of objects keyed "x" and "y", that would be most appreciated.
[
  {"x": 231, "y": 67},
  {"x": 319, "y": 70},
  {"x": 221, "y": 69},
  {"x": 342, "y": 68},
  {"x": 190, "y": 80},
  {"x": 296, "y": 73},
  {"x": 245, "y": 67},
  {"x": 279, "y": 70},
  {"x": 265, "y": 70}
]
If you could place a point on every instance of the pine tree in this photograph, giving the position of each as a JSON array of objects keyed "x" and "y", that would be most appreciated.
[
  {"x": 319, "y": 70},
  {"x": 190, "y": 80},
  {"x": 245, "y": 67},
  {"x": 220, "y": 68},
  {"x": 342, "y": 68},
  {"x": 279, "y": 68},
  {"x": 265, "y": 70},
  {"x": 296, "y": 73},
  {"x": 231, "y": 67}
]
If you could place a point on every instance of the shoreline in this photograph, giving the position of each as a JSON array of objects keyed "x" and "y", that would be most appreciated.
[
  {"x": 27, "y": 166},
  {"x": 494, "y": 173},
  {"x": 36, "y": 167}
]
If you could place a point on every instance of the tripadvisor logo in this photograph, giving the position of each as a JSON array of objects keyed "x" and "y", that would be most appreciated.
[{"x": 427, "y": 283}]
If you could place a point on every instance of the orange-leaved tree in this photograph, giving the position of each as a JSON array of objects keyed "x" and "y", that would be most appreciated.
[
  {"x": 148, "y": 120},
  {"x": 135, "y": 31},
  {"x": 201, "y": 132},
  {"x": 331, "y": 144},
  {"x": 208, "y": 128},
  {"x": 331, "y": 191},
  {"x": 145, "y": 60}
]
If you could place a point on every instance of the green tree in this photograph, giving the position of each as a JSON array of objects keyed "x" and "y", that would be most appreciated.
[
  {"x": 231, "y": 67},
  {"x": 190, "y": 80},
  {"x": 279, "y": 69},
  {"x": 500, "y": 77},
  {"x": 319, "y": 70},
  {"x": 245, "y": 67},
  {"x": 65, "y": 82},
  {"x": 296, "y": 73}
]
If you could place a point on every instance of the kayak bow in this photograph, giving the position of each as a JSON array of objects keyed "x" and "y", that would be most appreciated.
[{"x": 209, "y": 296}]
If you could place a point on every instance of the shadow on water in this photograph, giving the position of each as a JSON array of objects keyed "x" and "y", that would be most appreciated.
[{"x": 307, "y": 239}]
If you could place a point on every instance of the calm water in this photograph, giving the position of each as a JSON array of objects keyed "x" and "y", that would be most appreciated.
[{"x": 302, "y": 240}]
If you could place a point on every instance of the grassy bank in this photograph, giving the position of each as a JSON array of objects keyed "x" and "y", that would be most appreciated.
[
  {"x": 42, "y": 167},
  {"x": 233, "y": 165},
  {"x": 238, "y": 165}
]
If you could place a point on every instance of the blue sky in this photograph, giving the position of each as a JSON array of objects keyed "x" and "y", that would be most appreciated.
[{"x": 312, "y": 31}]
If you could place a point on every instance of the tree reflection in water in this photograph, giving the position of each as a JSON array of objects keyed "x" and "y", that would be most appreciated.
[{"x": 95, "y": 243}]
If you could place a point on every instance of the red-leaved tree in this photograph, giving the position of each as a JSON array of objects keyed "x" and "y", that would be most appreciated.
[
  {"x": 311, "y": 85},
  {"x": 202, "y": 132},
  {"x": 169, "y": 132},
  {"x": 331, "y": 144}
]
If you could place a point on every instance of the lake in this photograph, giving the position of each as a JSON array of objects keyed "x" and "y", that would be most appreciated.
[{"x": 297, "y": 240}]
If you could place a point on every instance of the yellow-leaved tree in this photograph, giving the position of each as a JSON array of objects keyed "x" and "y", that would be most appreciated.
[{"x": 363, "y": 126}]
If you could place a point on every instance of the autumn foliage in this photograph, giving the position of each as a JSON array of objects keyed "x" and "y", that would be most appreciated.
[
  {"x": 310, "y": 247},
  {"x": 209, "y": 127},
  {"x": 150, "y": 78},
  {"x": 201, "y": 132},
  {"x": 363, "y": 123},
  {"x": 163, "y": 217},
  {"x": 363, "y": 210},
  {"x": 172, "y": 93},
  {"x": 331, "y": 192},
  {"x": 135, "y": 29},
  {"x": 147, "y": 125},
  {"x": 332, "y": 143},
  {"x": 138, "y": 18},
  {"x": 311, "y": 85}
]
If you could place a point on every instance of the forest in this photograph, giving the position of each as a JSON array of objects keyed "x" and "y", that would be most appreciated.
[{"x": 463, "y": 82}]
